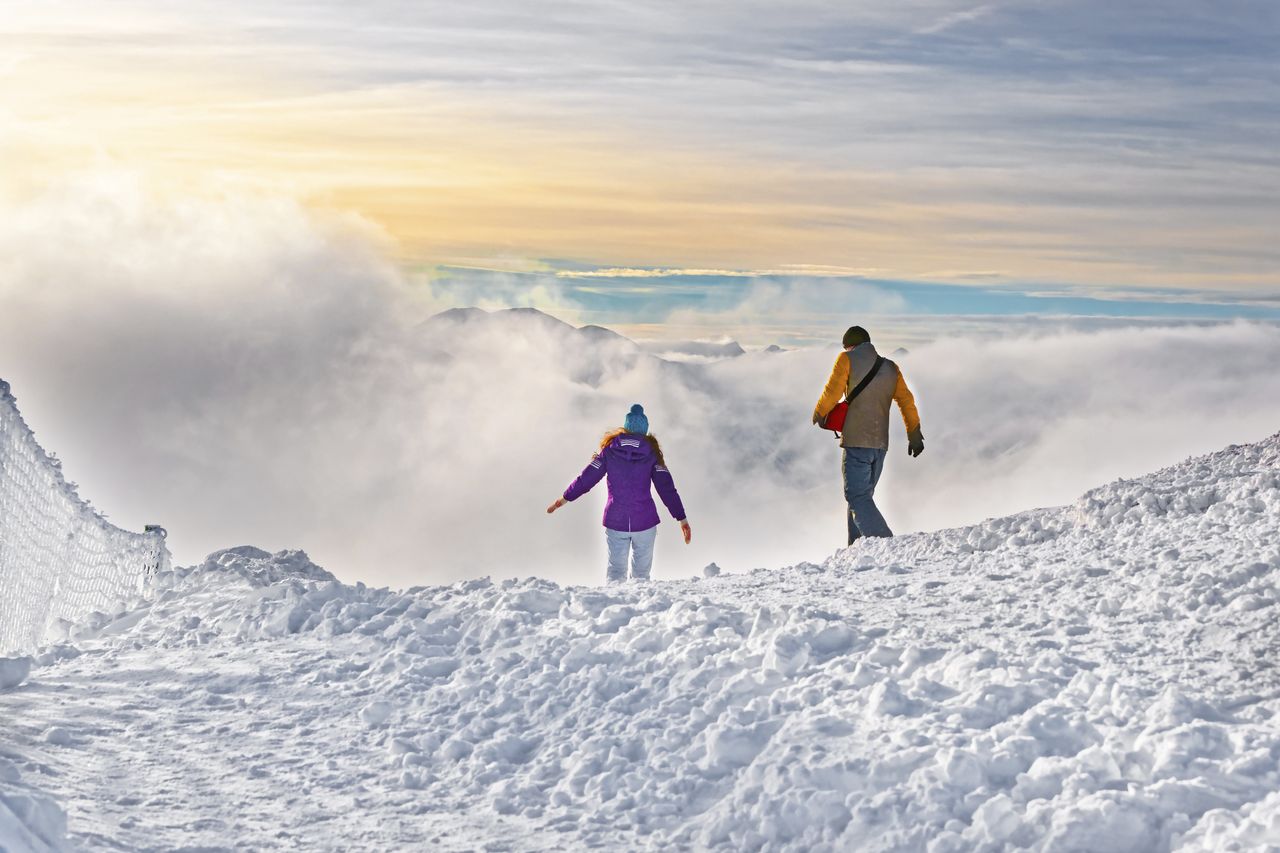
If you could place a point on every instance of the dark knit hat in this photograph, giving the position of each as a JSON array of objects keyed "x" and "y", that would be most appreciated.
[{"x": 855, "y": 335}]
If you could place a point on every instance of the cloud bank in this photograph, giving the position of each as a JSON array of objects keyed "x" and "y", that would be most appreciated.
[{"x": 241, "y": 370}]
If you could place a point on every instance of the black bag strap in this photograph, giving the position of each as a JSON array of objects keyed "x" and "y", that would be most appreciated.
[{"x": 866, "y": 380}]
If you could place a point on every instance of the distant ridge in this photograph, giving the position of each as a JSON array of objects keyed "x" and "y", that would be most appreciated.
[
  {"x": 595, "y": 335},
  {"x": 697, "y": 349},
  {"x": 457, "y": 315},
  {"x": 603, "y": 333}
]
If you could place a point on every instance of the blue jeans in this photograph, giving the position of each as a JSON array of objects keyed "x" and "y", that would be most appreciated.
[
  {"x": 639, "y": 543},
  {"x": 862, "y": 467}
]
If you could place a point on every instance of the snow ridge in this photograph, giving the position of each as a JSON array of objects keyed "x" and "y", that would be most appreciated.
[{"x": 1094, "y": 677}]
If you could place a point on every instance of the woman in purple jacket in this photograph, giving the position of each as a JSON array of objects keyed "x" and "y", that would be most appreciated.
[{"x": 631, "y": 460}]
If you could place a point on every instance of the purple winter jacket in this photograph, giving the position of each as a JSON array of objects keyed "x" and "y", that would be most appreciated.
[{"x": 630, "y": 465}]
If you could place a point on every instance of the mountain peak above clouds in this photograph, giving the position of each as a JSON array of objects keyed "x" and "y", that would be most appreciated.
[
  {"x": 693, "y": 350},
  {"x": 533, "y": 315},
  {"x": 531, "y": 318},
  {"x": 457, "y": 315},
  {"x": 603, "y": 333},
  {"x": 515, "y": 319},
  {"x": 587, "y": 354}
]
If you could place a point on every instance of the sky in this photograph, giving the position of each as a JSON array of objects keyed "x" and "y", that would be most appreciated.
[
  {"x": 224, "y": 228},
  {"x": 1080, "y": 149}
]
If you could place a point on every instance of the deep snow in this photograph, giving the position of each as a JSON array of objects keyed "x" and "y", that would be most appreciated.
[{"x": 1095, "y": 677}]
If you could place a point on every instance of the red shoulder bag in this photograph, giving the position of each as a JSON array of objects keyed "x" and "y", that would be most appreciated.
[{"x": 834, "y": 420}]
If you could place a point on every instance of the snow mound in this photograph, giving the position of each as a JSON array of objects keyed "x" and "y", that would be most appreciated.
[
  {"x": 1074, "y": 678},
  {"x": 14, "y": 671},
  {"x": 242, "y": 592},
  {"x": 1255, "y": 827},
  {"x": 29, "y": 819},
  {"x": 1225, "y": 487},
  {"x": 255, "y": 566}
]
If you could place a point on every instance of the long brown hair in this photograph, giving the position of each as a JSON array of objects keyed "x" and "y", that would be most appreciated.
[{"x": 614, "y": 433}]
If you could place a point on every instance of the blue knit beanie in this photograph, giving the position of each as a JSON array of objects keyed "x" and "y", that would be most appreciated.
[{"x": 636, "y": 421}]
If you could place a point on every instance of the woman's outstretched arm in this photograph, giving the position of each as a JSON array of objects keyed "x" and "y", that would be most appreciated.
[{"x": 590, "y": 475}]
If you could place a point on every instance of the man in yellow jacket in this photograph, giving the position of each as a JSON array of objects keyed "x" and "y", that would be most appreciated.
[{"x": 865, "y": 437}]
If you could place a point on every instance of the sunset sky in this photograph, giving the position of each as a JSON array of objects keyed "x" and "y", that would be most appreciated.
[{"x": 643, "y": 161}]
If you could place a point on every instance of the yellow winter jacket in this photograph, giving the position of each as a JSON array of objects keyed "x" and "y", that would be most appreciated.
[{"x": 838, "y": 385}]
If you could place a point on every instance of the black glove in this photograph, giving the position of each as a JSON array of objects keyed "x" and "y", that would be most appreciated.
[
  {"x": 817, "y": 418},
  {"x": 915, "y": 442}
]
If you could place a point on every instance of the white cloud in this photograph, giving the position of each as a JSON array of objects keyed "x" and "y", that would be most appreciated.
[
  {"x": 800, "y": 301},
  {"x": 956, "y": 19},
  {"x": 632, "y": 272},
  {"x": 812, "y": 270},
  {"x": 1035, "y": 420},
  {"x": 242, "y": 371}
]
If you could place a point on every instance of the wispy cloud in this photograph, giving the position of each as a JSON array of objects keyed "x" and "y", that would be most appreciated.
[
  {"x": 1087, "y": 142},
  {"x": 637, "y": 272},
  {"x": 955, "y": 19},
  {"x": 811, "y": 270}
]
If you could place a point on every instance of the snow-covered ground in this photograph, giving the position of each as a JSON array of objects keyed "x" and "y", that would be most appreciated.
[{"x": 1098, "y": 677}]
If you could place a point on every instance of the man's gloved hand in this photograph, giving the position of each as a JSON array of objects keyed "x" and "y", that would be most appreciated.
[
  {"x": 915, "y": 442},
  {"x": 817, "y": 418}
]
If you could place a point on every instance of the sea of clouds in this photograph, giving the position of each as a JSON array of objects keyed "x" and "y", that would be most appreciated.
[{"x": 242, "y": 370}]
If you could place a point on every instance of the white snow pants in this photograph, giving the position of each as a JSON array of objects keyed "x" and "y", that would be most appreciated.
[{"x": 639, "y": 543}]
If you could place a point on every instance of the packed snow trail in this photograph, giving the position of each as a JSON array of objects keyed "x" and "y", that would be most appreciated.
[{"x": 1098, "y": 677}]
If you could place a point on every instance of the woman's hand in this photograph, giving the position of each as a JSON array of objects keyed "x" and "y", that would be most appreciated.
[
  {"x": 555, "y": 506},
  {"x": 684, "y": 528}
]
